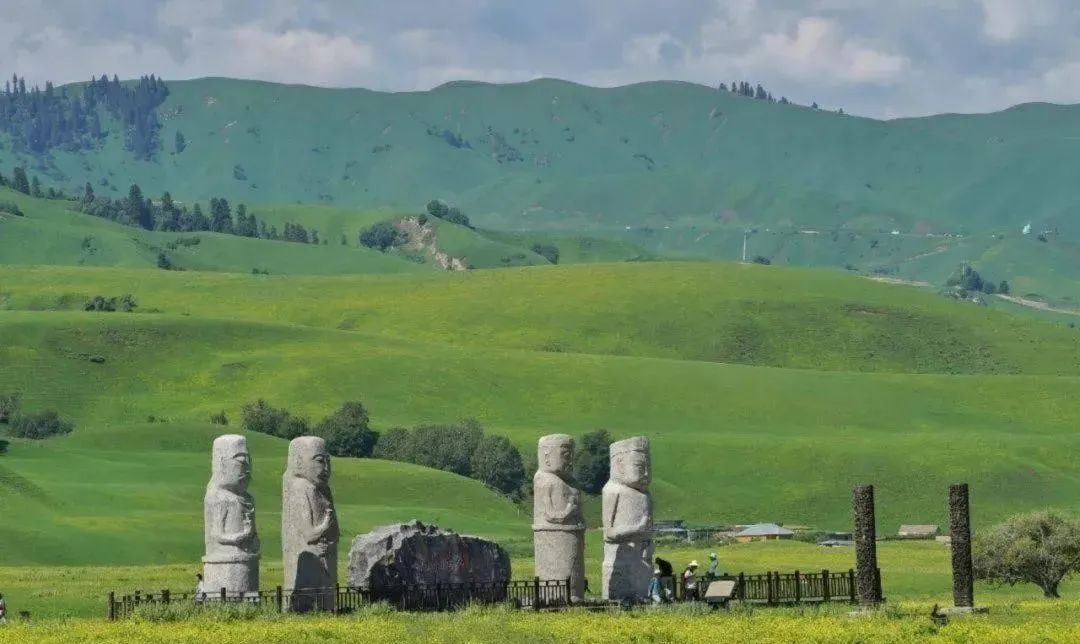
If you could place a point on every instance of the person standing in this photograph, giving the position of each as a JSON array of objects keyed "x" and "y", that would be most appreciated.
[
  {"x": 3, "y": 609},
  {"x": 714, "y": 566},
  {"x": 689, "y": 578},
  {"x": 667, "y": 577},
  {"x": 656, "y": 591}
]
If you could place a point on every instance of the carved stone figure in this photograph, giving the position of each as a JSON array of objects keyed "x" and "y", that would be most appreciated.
[
  {"x": 309, "y": 527},
  {"x": 558, "y": 525},
  {"x": 232, "y": 542},
  {"x": 627, "y": 522}
]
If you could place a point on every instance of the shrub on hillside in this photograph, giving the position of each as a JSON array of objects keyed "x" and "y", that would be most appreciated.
[
  {"x": 10, "y": 208},
  {"x": 9, "y": 407},
  {"x": 382, "y": 236},
  {"x": 592, "y": 461},
  {"x": 761, "y": 259},
  {"x": 3, "y": 446},
  {"x": 219, "y": 418},
  {"x": 1040, "y": 548},
  {"x": 39, "y": 426},
  {"x": 260, "y": 417},
  {"x": 550, "y": 252},
  {"x": 125, "y": 303},
  {"x": 439, "y": 210},
  {"x": 348, "y": 431}
]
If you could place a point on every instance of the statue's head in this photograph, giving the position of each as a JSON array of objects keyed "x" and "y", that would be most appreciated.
[
  {"x": 555, "y": 454},
  {"x": 630, "y": 462},
  {"x": 308, "y": 459},
  {"x": 231, "y": 463}
]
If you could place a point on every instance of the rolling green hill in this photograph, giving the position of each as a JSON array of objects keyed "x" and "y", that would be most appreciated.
[
  {"x": 677, "y": 168},
  {"x": 731, "y": 442}
]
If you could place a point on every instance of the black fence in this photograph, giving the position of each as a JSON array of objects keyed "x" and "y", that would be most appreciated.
[
  {"x": 534, "y": 594},
  {"x": 774, "y": 588}
]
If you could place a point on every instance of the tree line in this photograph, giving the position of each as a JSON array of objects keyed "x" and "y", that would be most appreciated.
[
  {"x": 462, "y": 448},
  {"x": 33, "y": 426},
  {"x": 39, "y": 120}
]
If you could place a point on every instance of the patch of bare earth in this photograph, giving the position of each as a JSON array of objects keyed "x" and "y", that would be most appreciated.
[{"x": 422, "y": 240}]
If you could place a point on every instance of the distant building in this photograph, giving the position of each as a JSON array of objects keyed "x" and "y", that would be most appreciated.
[
  {"x": 763, "y": 532},
  {"x": 913, "y": 531},
  {"x": 1027, "y": 229}
]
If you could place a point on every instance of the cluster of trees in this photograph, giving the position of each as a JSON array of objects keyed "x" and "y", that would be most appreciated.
[
  {"x": 167, "y": 215},
  {"x": 27, "y": 425},
  {"x": 550, "y": 252},
  {"x": 125, "y": 303},
  {"x": 39, "y": 120},
  {"x": 452, "y": 214},
  {"x": 462, "y": 448},
  {"x": 967, "y": 280},
  {"x": 347, "y": 431},
  {"x": 743, "y": 88},
  {"x": 382, "y": 236}
]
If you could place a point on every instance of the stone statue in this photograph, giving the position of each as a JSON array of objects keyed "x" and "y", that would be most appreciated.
[
  {"x": 627, "y": 522},
  {"x": 558, "y": 525},
  {"x": 232, "y": 543},
  {"x": 309, "y": 527}
]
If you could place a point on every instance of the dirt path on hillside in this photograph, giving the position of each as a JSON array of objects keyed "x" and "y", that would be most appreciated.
[
  {"x": 895, "y": 280},
  {"x": 1036, "y": 304}
]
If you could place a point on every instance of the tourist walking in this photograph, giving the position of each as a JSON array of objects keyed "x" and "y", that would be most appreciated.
[
  {"x": 656, "y": 590},
  {"x": 689, "y": 578},
  {"x": 714, "y": 566}
]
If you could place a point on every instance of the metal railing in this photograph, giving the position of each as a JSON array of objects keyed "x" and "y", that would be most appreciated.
[{"x": 534, "y": 594}]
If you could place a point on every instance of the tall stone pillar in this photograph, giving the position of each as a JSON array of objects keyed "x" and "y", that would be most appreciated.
[
  {"x": 867, "y": 584},
  {"x": 309, "y": 527},
  {"x": 232, "y": 542},
  {"x": 960, "y": 536},
  {"x": 558, "y": 524},
  {"x": 628, "y": 522}
]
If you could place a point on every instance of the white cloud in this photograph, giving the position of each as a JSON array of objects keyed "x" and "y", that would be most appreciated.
[
  {"x": 819, "y": 50},
  {"x": 1007, "y": 20}
]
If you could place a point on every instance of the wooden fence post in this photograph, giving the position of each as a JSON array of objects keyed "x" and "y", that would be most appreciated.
[
  {"x": 165, "y": 596},
  {"x": 112, "y": 605},
  {"x": 567, "y": 595},
  {"x": 826, "y": 592},
  {"x": 536, "y": 593},
  {"x": 742, "y": 587},
  {"x": 770, "y": 590},
  {"x": 223, "y": 595},
  {"x": 851, "y": 583},
  {"x": 798, "y": 588},
  {"x": 279, "y": 599}
]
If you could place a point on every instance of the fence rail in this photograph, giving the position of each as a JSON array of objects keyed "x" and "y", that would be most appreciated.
[
  {"x": 535, "y": 594},
  {"x": 785, "y": 588}
]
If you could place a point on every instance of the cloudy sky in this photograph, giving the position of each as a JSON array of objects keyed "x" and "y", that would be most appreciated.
[{"x": 873, "y": 57}]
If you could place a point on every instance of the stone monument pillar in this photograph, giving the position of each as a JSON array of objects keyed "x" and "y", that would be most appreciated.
[
  {"x": 867, "y": 583},
  {"x": 960, "y": 536},
  {"x": 627, "y": 522},
  {"x": 558, "y": 525},
  {"x": 232, "y": 543},
  {"x": 309, "y": 527}
]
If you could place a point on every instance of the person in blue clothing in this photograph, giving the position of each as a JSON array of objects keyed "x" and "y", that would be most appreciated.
[{"x": 656, "y": 589}]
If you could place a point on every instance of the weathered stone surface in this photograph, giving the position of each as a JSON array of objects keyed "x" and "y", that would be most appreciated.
[
  {"x": 960, "y": 540},
  {"x": 867, "y": 584},
  {"x": 558, "y": 525},
  {"x": 232, "y": 542},
  {"x": 392, "y": 556},
  {"x": 309, "y": 527},
  {"x": 627, "y": 523}
]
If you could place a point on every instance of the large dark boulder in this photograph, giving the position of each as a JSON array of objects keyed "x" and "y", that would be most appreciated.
[{"x": 393, "y": 558}]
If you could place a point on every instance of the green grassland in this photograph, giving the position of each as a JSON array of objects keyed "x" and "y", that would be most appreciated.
[
  {"x": 676, "y": 168},
  {"x": 528, "y": 352},
  {"x": 913, "y": 573}
]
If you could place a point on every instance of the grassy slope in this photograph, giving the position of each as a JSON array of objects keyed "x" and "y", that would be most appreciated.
[
  {"x": 747, "y": 314},
  {"x": 766, "y": 444}
]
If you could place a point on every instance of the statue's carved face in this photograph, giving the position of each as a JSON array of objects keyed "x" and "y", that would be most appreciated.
[
  {"x": 632, "y": 469},
  {"x": 235, "y": 469},
  {"x": 315, "y": 466},
  {"x": 557, "y": 458}
]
